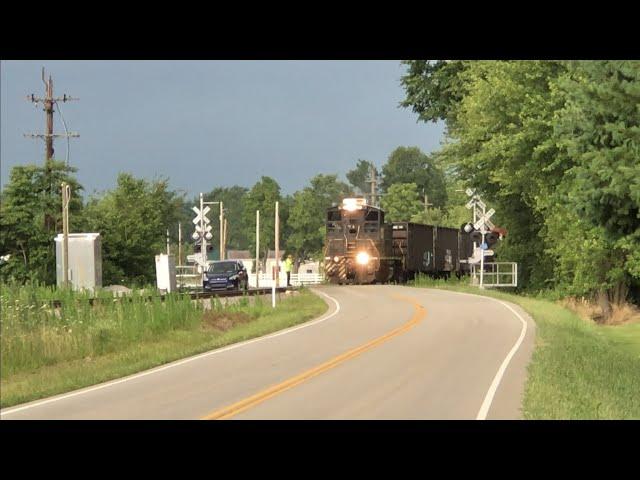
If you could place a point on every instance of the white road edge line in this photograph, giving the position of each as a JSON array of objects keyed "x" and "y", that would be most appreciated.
[
  {"x": 179, "y": 362},
  {"x": 488, "y": 399}
]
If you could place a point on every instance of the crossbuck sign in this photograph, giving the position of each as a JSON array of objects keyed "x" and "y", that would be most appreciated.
[
  {"x": 201, "y": 215},
  {"x": 483, "y": 222}
]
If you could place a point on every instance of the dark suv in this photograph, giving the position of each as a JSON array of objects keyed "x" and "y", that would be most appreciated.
[{"x": 226, "y": 275}]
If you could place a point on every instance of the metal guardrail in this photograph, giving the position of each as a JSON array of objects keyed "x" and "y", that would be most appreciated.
[
  {"x": 496, "y": 274},
  {"x": 187, "y": 276}
]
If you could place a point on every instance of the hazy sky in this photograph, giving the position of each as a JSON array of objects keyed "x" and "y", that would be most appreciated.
[{"x": 212, "y": 123}]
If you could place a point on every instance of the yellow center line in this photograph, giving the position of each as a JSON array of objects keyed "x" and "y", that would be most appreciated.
[{"x": 252, "y": 401}]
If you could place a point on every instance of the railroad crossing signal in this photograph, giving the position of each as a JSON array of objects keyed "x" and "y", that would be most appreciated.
[
  {"x": 201, "y": 215},
  {"x": 207, "y": 229}
]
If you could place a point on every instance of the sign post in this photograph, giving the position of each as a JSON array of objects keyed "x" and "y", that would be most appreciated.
[
  {"x": 257, "y": 269},
  {"x": 277, "y": 267},
  {"x": 66, "y": 198}
]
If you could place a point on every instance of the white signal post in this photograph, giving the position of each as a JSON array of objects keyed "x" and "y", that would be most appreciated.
[
  {"x": 276, "y": 283},
  {"x": 257, "y": 248},
  {"x": 66, "y": 198},
  {"x": 222, "y": 232}
]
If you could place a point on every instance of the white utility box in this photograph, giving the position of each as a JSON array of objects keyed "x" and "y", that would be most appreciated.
[
  {"x": 166, "y": 272},
  {"x": 85, "y": 260}
]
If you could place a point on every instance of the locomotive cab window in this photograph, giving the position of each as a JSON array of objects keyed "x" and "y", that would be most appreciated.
[
  {"x": 372, "y": 221},
  {"x": 372, "y": 216},
  {"x": 334, "y": 216}
]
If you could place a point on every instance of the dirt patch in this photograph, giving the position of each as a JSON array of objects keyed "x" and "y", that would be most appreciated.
[
  {"x": 591, "y": 312},
  {"x": 223, "y": 321}
]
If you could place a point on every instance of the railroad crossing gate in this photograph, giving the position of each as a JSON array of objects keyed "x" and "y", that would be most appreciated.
[
  {"x": 202, "y": 232},
  {"x": 487, "y": 274}
]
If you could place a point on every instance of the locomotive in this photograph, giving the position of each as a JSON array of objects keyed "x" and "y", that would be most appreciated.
[{"x": 361, "y": 247}]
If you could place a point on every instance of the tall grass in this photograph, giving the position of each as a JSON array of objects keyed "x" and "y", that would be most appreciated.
[
  {"x": 35, "y": 333},
  {"x": 424, "y": 280},
  {"x": 45, "y": 353}
]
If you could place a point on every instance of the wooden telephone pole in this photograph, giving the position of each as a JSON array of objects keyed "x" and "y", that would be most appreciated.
[
  {"x": 48, "y": 102},
  {"x": 373, "y": 180}
]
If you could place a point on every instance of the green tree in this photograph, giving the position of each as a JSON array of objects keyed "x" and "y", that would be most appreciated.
[
  {"x": 454, "y": 213},
  {"x": 233, "y": 201},
  {"x": 263, "y": 196},
  {"x": 410, "y": 165},
  {"x": 308, "y": 214},
  {"x": 359, "y": 176},
  {"x": 133, "y": 220},
  {"x": 434, "y": 89},
  {"x": 598, "y": 128},
  {"x": 401, "y": 202},
  {"x": 25, "y": 203}
]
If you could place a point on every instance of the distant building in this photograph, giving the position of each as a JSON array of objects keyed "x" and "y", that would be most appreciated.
[
  {"x": 309, "y": 267},
  {"x": 244, "y": 256}
]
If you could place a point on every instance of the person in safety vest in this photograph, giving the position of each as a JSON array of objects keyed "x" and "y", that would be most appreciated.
[{"x": 288, "y": 263}]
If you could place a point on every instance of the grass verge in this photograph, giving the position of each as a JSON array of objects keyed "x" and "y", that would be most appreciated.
[
  {"x": 578, "y": 370},
  {"x": 197, "y": 332}
]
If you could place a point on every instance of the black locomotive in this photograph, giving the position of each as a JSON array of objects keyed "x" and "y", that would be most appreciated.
[{"x": 361, "y": 247}]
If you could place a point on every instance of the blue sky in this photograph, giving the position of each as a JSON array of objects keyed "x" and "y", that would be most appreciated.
[{"x": 204, "y": 124}]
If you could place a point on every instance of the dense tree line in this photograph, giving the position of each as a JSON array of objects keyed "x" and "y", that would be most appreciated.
[{"x": 555, "y": 146}]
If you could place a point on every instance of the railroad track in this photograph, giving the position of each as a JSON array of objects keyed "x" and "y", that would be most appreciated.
[
  {"x": 236, "y": 293},
  {"x": 197, "y": 295}
]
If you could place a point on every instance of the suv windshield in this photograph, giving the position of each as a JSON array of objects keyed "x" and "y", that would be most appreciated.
[{"x": 222, "y": 267}]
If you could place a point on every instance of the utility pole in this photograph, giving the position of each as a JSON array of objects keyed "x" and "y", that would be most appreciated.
[
  {"x": 426, "y": 201},
  {"x": 222, "y": 232},
  {"x": 179, "y": 243},
  {"x": 277, "y": 242},
  {"x": 225, "y": 238},
  {"x": 48, "y": 102},
  {"x": 66, "y": 197},
  {"x": 373, "y": 180},
  {"x": 257, "y": 247},
  {"x": 168, "y": 250}
]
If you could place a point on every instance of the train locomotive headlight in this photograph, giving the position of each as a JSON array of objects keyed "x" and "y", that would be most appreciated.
[
  {"x": 362, "y": 258},
  {"x": 336, "y": 259}
]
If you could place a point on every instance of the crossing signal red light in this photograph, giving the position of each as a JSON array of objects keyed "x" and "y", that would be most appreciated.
[{"x": 491, "y": 238}]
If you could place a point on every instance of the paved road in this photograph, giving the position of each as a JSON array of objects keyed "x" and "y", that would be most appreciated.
[{"x": 380, "y": 352}]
